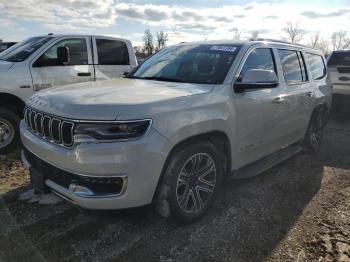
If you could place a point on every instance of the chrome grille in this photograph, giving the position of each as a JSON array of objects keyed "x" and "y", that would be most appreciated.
[{"x": 50, "y": 128}]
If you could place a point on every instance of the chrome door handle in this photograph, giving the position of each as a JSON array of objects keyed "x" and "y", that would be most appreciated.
[
  {"x": 309, "y": 94},
  {"x": 278, "y": 100}
]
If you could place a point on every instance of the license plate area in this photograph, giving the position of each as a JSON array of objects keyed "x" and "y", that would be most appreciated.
[{"x": 38, "y": 181}]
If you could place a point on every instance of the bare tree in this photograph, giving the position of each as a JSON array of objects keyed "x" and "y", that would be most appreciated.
[
  {"x": 340, "y": 40},
  {"x": 236, "y": 33},
  {"x": 315, "y": 39},
  {"x": 162, "y": 39},
  {"x": 294, "y": 32},
  {"x": 148, "y": 42},
  {"x": 255, "y": 34},
  {"x": 139, "y": 52}
]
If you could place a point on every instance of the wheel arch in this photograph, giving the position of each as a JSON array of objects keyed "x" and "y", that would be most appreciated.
[
  {"x": 219, "y": 138},
  {"x": 12, "y": 102}
]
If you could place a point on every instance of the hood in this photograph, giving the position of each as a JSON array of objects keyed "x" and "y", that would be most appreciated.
[
  {"x": 5, "y": 66},
  {"x": 110, "y": 99}
]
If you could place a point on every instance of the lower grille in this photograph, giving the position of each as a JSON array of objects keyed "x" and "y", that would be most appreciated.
[{"x": 100, "y": 185}]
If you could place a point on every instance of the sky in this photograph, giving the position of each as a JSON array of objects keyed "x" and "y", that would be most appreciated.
[{"x": 191, "y": 20}]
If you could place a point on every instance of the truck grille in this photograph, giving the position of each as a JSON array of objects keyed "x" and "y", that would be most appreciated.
[{"x": 48, "y": 127}]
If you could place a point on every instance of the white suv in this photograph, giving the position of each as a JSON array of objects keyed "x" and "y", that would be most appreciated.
[{"x": 177, "y": 126}]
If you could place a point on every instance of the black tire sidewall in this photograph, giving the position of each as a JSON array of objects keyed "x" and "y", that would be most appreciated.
[
  {"x": 309, "y": 146},
  {"x": 15, "y": 120},
  {"x": 176, "y": 163}
]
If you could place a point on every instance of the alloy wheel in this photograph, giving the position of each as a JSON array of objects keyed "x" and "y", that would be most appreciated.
[
  {"x": 7, "y": 132},
  {"x": 196, "y": 183}
]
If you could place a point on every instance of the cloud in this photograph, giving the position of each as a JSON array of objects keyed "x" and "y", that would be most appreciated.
[
  {"x": 5, "y": 22},
  {"x": 181, "y": 22},
  {"x": 312, "y": 14},
  {"x": 195, "y": 26},
  {"x": 270, "y": 17}
]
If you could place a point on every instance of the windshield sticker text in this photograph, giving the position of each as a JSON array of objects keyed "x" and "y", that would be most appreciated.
[{"x": 223, "y": 48}]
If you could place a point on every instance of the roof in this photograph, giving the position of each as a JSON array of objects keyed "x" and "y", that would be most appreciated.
[{"x": 254, "y": 41}]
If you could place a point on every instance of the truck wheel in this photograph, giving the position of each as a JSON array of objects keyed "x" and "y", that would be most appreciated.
[
  {"x": 314, "y": 133},
  {"x": 192, "y": 179},
  {"x": 9, "y": 131}
]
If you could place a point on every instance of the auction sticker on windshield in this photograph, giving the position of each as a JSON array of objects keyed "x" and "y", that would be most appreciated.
[{"x": 224, "y": 48}]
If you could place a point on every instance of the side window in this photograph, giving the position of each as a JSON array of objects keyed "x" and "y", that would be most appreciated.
[
  {"x": 317, "y": 66},
  {"x": 77, "y": 50},
  {"x": 260, "y": 58},
  {"x": 112, "y": 52},
  {"x": 293, "y": 66}
]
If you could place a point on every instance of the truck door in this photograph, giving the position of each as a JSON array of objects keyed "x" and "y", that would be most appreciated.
[
  {"x": 48, "y": 70},
  {"x": 112, "y": 57}
]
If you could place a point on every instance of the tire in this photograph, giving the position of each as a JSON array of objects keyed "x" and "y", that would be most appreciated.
[
  {"x": 314, "y": 134},
  {"x": 191, "y": 182},
  {"x": 9, "y": 131}
]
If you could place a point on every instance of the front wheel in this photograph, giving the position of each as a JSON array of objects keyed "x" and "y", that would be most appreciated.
[
  {"x": 9, "y": 131},
  {"x": 191, "y": 182},
  {"x": 314, "y": 133}
]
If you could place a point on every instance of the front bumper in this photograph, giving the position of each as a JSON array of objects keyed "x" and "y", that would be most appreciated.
[{"x": 137, "y": 163}]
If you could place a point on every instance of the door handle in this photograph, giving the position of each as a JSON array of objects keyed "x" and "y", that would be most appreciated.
[
  {"x": 84, "y": 74},
  {"x": 309, "y": 94},
  {"x": 278, "y": 100}
]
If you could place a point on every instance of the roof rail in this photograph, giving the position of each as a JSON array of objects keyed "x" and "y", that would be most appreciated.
[
  {"x": 270, "y": 40},
  {"x": 277, "y": 41}
]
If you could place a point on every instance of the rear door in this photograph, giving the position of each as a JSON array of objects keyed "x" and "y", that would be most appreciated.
[
  {"x": 112, "y": 57},
  {"x": 299, "y": 95},
  {"x": 47, "y": 71}
]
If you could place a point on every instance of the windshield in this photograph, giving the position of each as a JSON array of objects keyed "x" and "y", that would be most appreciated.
[
  {"x": 189, "y": 63},
  {"x": 339, "y": 59},
  {"x": 23, "y": 50}
]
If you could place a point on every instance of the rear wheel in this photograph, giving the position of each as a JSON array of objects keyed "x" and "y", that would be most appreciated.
[
  {"x": 314, "y": 134},
  {"x": 9, "y": 131},
  {"x": 191, "y": 182}
]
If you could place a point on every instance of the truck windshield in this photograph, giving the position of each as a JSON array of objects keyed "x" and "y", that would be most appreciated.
[
  {"x": 189, "y": 63},
  {"x": 339, "y": 59},
  {"x": 23, "y": 50}
]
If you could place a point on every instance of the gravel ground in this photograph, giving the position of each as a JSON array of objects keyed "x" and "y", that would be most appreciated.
[{"x": 297, "y": 211}]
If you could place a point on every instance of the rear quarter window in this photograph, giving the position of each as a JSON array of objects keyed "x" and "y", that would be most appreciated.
[{"x": 317, "y": 67}]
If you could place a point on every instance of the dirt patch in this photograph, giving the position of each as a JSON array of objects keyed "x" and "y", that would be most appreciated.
[{"x": 296, "y": 211}]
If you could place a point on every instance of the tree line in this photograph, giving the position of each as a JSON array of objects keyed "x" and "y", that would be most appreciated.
[
  {"x": 150, "y": 44},
  {"x": 293, "y": 31}
]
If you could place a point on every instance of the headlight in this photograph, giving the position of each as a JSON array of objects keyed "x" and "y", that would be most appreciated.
[{"x": 110, "y": 131}]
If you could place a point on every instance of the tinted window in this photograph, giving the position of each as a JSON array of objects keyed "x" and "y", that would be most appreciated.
[
  {"x": 77, "y": 50},
  {"x": 293, "y": 66},
  {"x": 111, "y": 52},
  {"x": 260, "y": 58},
  {"x": 23, "y": 50},
  {"x": 339, "y": 59},
  {"x": 316, "y": 66},
  {"x": 189, "y": 63}
]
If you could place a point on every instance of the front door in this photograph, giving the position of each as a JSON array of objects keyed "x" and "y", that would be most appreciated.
[
  {"x": 259, "y": 112},
  {"x": 48, "y": 71}
]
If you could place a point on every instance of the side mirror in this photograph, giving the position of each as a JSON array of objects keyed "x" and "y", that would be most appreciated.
[
  {"x": 63, "y": 55},
  {"x": 257, "y": 79}
]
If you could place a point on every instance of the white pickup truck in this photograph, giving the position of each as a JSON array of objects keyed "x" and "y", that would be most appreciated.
[{"x": 54, "y": 60}]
